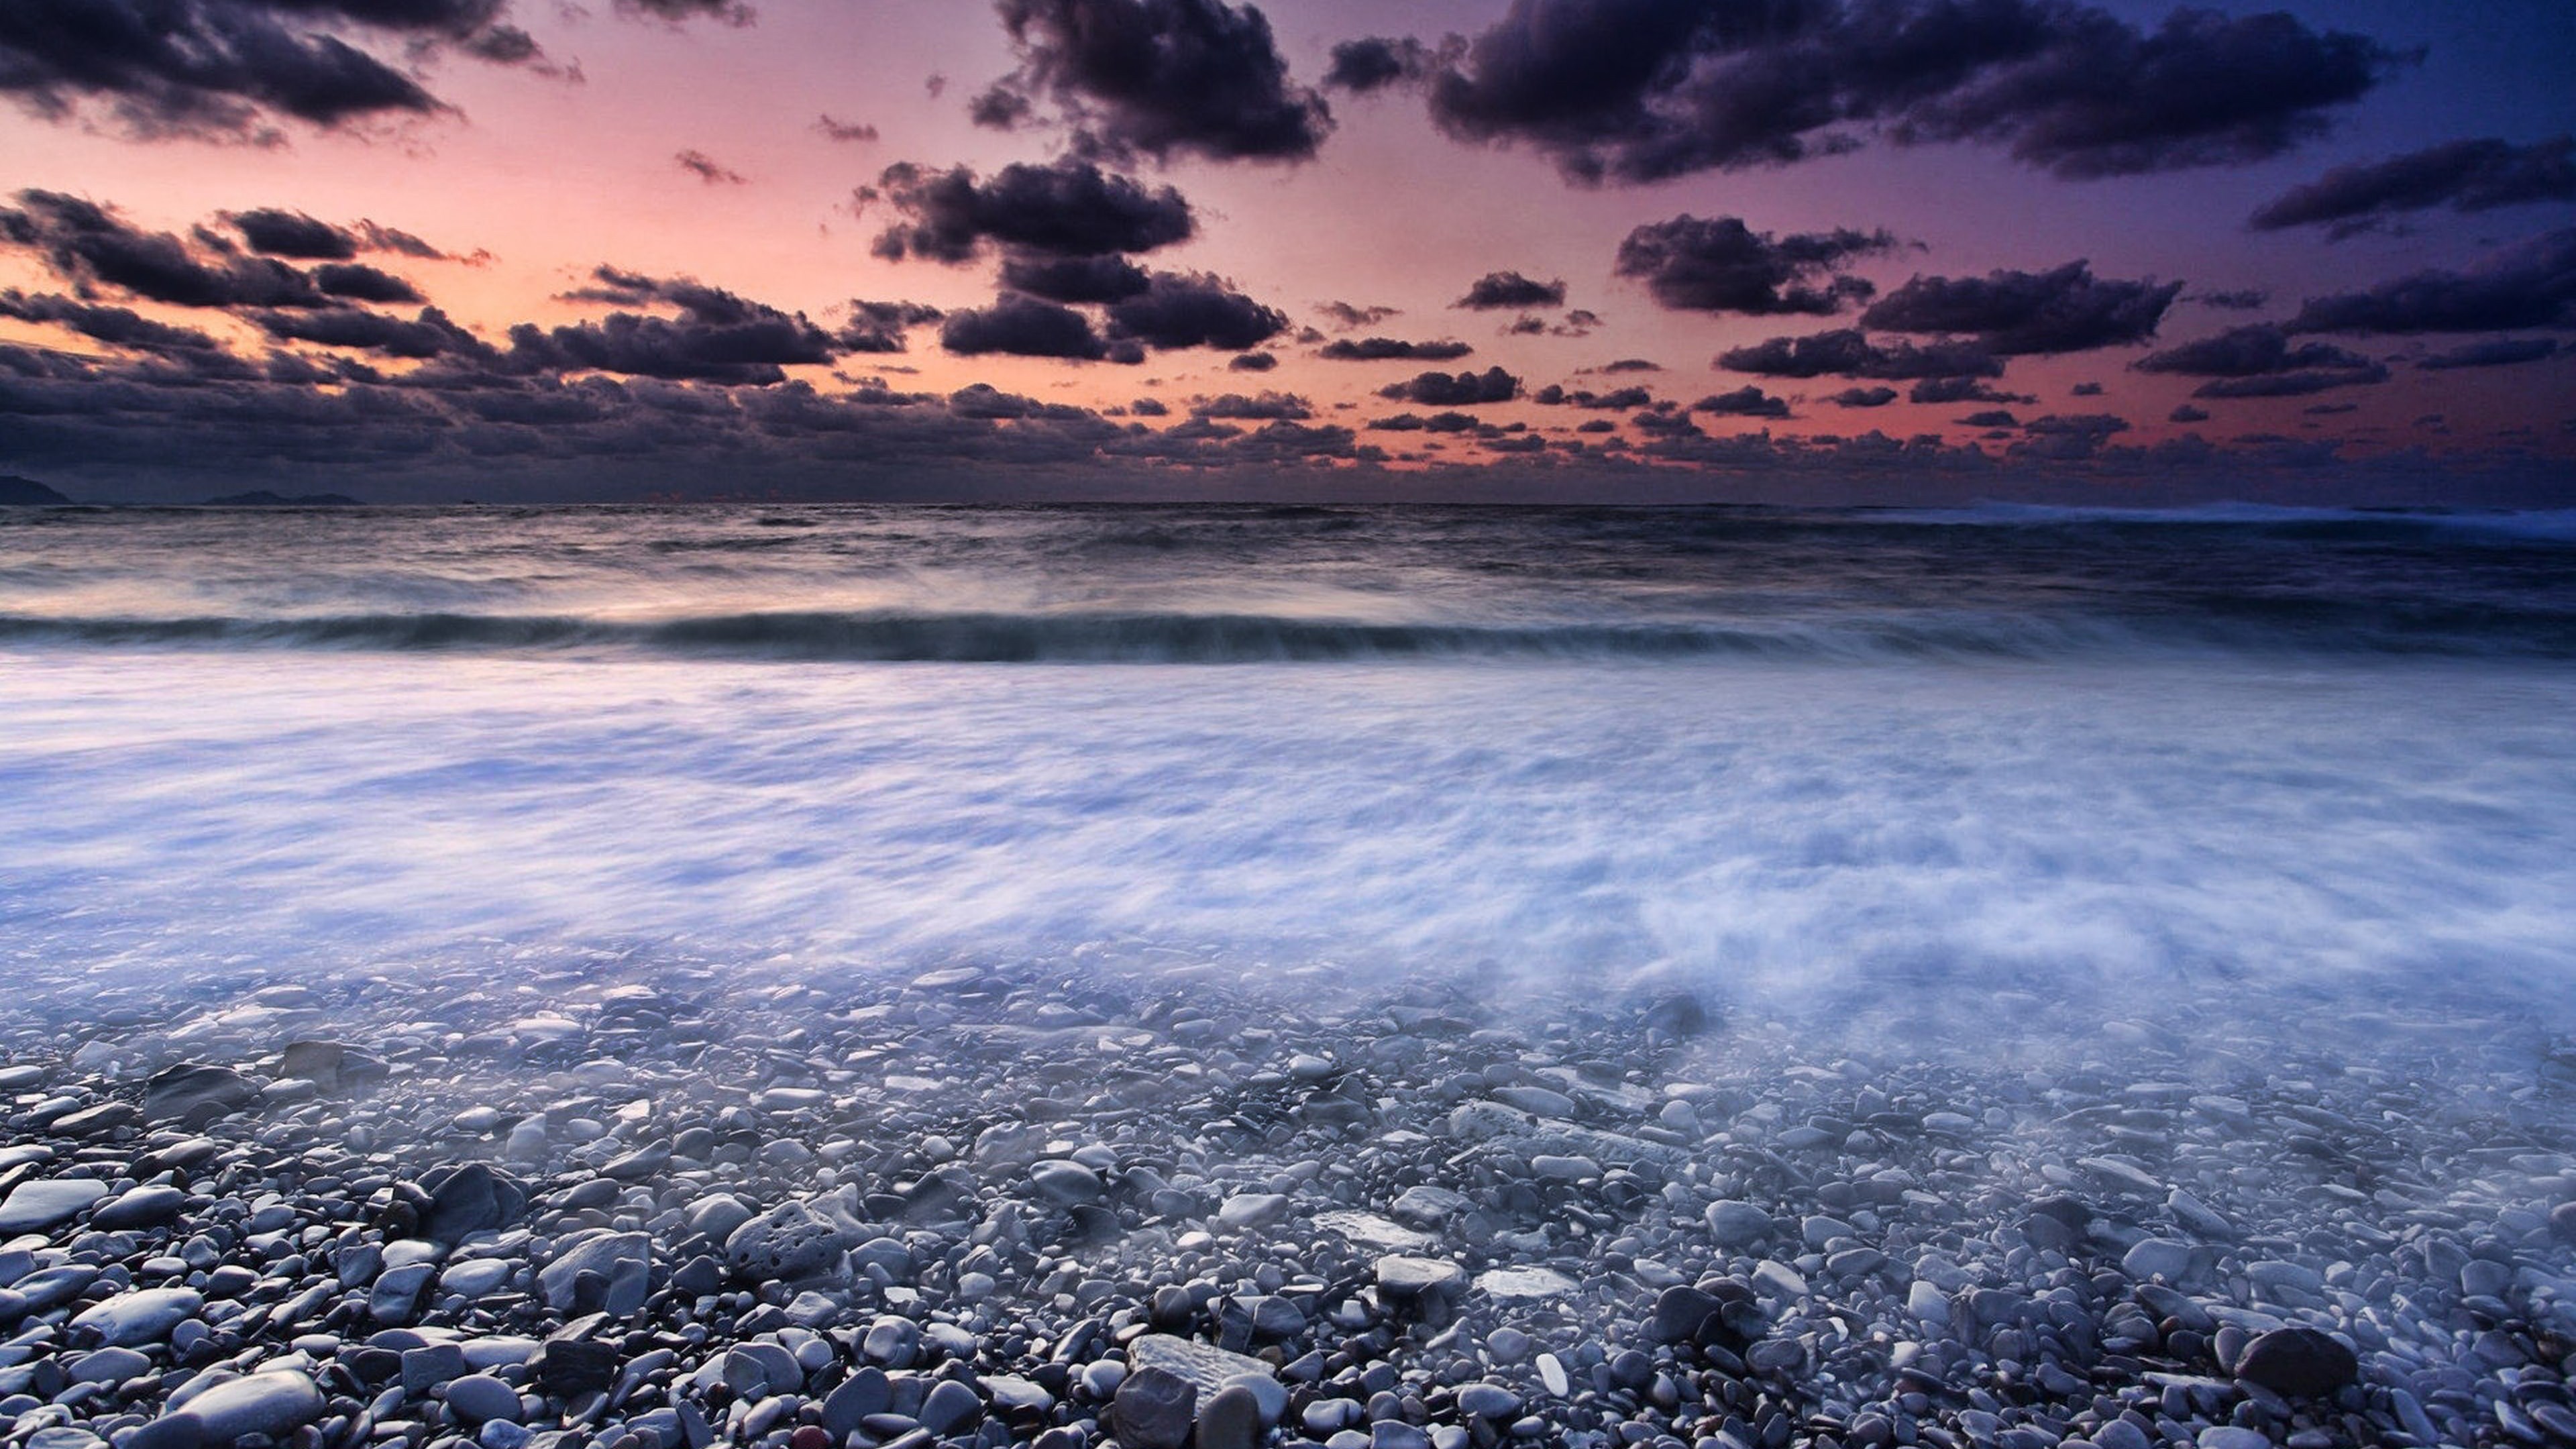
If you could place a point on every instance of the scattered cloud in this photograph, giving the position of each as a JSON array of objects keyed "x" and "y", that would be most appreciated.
[
  {"x": 2258, "y": 360},
  {"x": 1497, "y": 290},
  {"x": 1747, "y": 401},
  {"x": 1107, "y": 278},
  {"x": 1022, "y": 326},
  {"x": 709, "y": 170},
  {"x": 1722, "y": 265},
  {"x": 1067, "y": 209},
  {"x": 2012, "y": 314},
  {"x": 879, "y": 327},
  {"x": 848, "y": 132},
  {"x": 1348, "y": 318},
  {"x": 1455, "y": 390},
  {"x": 1381, "y": 349},
  {"x": 1193, "y": 310},
  {"x": 2466, "y": 176},
  {"x": 1848, "y": 352},
  {"x": 1158, "y": 78},
  {"x": 1863, "y": 397}
]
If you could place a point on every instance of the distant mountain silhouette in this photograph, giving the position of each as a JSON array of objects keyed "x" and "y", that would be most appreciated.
[
  {"x": 262, "y": 498},
  {"x": 27, "y": 492}
]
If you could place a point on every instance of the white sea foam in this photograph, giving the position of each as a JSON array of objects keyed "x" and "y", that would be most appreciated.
[{"x": 1898, "y": 840}]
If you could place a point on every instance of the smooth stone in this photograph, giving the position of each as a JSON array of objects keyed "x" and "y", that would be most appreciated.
[
  {"x": 1231, "y": 1419},
  {"x": 1066, "y": 1184},
  {"x": 2229, "y": 1436},
  {"x": 181, "y": 1430},
  {"x": 1252, "y": 1209},
  {"x": 1270, "y": 1395},
  {"x": 1489, "y": 1401},
  {"x": 2297, "y": 1363},
  {"x": 146, "y": 1316},
  {"x": 1397, "y": 1434},
  {"x": 143, "y": 1207},
  {"x": 479, "y": 1398},
  {"x": 865, "y": 1392},
  {"x": 949, "y": 1406},
  {"x": 2157, "y": 1258},
  {"x": 397, "y": 1292},
  {"x": 32, "y": 1207},
  {"x": 1679, "y": 1312},
  {"x": 109, "y": 1366},
  {"x": 1154, "y": 1409},
  {"x": 1429, "y": 1207},
  {"x": 275, "y": 1404},
  {"x": 1737, "y": 1224},
  {"x": 475, "y": 1277}
]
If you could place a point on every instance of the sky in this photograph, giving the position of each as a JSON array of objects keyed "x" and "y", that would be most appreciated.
[{"x": 1624, "y": 250}]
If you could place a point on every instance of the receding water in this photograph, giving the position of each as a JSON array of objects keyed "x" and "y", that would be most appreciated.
[{"x": 1867, "y": 763}]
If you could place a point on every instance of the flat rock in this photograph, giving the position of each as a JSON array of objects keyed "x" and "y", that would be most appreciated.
[
  {"x": 275, "y": 1404},
  {"x": 143, "y": 1207},
  {"x": 1368, "y": 1230},
  {"x": 32, "y": 1207},
  {"x": 1526, "y": 1283},
  {"x": 1208, "y": 1367},
  {"x": 145, "y": 1316}
]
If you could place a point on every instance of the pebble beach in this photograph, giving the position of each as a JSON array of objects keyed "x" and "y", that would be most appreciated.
[{"x": 557, "y": 1207}]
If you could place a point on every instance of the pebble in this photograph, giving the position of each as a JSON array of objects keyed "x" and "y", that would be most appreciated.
[{"x": 32, "y": 1207}]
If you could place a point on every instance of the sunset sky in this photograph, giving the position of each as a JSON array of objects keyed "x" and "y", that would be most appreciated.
[{"x": 1839, "y": 250}]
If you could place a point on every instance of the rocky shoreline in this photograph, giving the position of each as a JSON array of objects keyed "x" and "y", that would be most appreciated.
[{"x": 575, "y": 1206}]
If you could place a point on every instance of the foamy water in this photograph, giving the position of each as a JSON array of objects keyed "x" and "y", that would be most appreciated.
[{"x": 1839, "y": 763}]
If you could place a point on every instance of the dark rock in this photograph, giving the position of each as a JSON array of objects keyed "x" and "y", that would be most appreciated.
[
  {"x": 568, "y": 1367},
  {"x": 470, "y": 1199},
  {"x": 1230, "y": 1420},
  {"x": 2297, "y": 1363},
  {"x": 1154, "y": 1410},
  {"x": 192, "y": 1095}
]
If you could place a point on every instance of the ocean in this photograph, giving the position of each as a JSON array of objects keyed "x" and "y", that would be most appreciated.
[{"x": 1882, "y": 769}]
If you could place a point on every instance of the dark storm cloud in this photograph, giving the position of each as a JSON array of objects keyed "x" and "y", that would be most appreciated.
[
  {"x": 1455, "y": 390},
  {"x": 1193, "y": 310},
  {"x": 358, "y": 282},
  {"x": 718, "y": 336},
  {"x": 1744, "y": 402},
  {"x": 845, "y": 131},
  {"x": 2503, "y": 352},
  {"x": 2250, "y": 351},
  {"x": 429, "y": 335},
  {"x": 89, "y": 245},
  {"x": 1496, "y": 290},
  {"x": 878, "y": 327},
  {"x": 1375, "y": 62},
  {"x": 115, "y": 326},
  {"x": 1994, "y": 418},
  {"x": 2012, "y": 314},
  {"x": 2466, "y": 176},
  {"x": 1641, "y": 90},
  {"x": 1070, "y": 208},
  {"x": 1863, "y": 397},
  {"x": 2532, "y": 284},
  {"x": 1721, "y": 265},
  {"x": 1161, "y": 76},
  {"x": 2293, "y": 384},
  {"x": 1028, "y": 327},
  {"x": 709, "y": 170},
  {"x": 276, "y": 233},
  {"x": 1848, "y": 352},
  {"x": 1074, "y": 279},
  {"x": 1265, "y": 407},
  {"x": 1381, "y": 349}
]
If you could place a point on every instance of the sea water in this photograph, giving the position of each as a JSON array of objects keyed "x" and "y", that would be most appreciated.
[{"x": 1849, "y": 766}]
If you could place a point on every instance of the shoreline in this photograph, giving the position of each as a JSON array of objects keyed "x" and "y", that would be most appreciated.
[{"x": 976, "y": 1206}]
